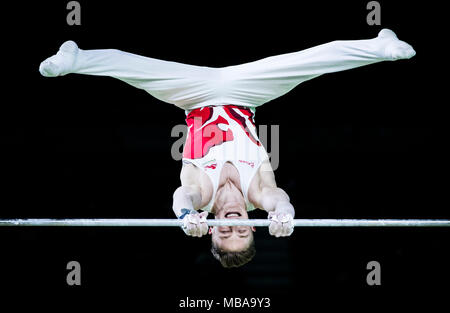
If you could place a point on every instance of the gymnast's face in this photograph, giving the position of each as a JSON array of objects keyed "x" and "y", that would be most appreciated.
[{"x": 232, "y": 238}]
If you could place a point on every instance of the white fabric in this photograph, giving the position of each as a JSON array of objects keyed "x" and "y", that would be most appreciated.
[{"x": 251, "y": 84}]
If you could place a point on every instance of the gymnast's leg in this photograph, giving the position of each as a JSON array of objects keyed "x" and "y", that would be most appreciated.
[
  {"x": 180, "y": 84},
  {"x": 258, "y": 82}
]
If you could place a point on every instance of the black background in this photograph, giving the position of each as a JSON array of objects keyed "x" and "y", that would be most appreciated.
[{"x": 365, "y": 143}]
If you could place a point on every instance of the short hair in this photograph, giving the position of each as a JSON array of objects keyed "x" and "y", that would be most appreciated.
[{"x": 234, "y": 259}]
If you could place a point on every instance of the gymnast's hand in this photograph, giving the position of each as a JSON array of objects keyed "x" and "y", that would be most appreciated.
[
  {"x": 194, "y": 224},
  {"x": 281, "y": 224}
]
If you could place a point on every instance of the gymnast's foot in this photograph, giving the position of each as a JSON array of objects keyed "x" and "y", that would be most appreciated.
[
  {"x": 395, "y": 49},
  {"x": 62, "y": 62}
]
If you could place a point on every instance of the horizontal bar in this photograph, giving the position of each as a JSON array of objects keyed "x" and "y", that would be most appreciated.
[{"x": 228, "y": 222}]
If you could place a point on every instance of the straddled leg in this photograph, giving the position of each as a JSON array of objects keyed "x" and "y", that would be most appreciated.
[
  {"x": 258, "y": 82},
  {"x": 180, "y": 84}
]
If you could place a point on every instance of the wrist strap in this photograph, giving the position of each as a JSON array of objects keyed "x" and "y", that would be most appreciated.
[{"x": 185, "y": 212}]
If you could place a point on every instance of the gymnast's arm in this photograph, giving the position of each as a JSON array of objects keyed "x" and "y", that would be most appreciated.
[
  {"x": 187, "y": 199},
  {"x": 265, "y": 194},
  {"x": 188, "y": 196},
  {"x": 271, "y": 198}
]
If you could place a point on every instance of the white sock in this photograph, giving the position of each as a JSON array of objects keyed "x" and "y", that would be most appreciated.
[
  {"x": 395, "y": 49},
  {"x": 62, "y": 62}
]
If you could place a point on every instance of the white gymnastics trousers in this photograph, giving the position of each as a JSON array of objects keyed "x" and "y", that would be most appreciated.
[{"x": 250, "y": 84}]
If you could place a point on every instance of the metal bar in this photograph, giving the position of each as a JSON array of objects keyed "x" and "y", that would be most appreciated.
[{"x": 228, "y": 222}]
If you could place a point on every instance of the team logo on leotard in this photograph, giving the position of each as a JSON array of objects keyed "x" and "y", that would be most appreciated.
[
  {"x": 203, "y": 133},
  {"x": 212, "y": 166},
  {"x": 248, "y": 163}
]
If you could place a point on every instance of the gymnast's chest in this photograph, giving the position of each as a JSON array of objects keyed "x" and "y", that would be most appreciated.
[{"x": 229, "y": 173}]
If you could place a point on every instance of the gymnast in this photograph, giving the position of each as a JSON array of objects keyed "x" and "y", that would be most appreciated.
[{"x": 226, "y": 170}]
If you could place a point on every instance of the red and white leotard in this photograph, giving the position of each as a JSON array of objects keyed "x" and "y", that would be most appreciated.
[{"x": 220, "y": 134}]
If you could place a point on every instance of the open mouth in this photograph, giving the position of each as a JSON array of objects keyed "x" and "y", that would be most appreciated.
[{"x": 233, "y": 215}]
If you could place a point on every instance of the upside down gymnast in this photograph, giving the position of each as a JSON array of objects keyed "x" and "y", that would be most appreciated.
[{"x": 226, "y": 170}]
